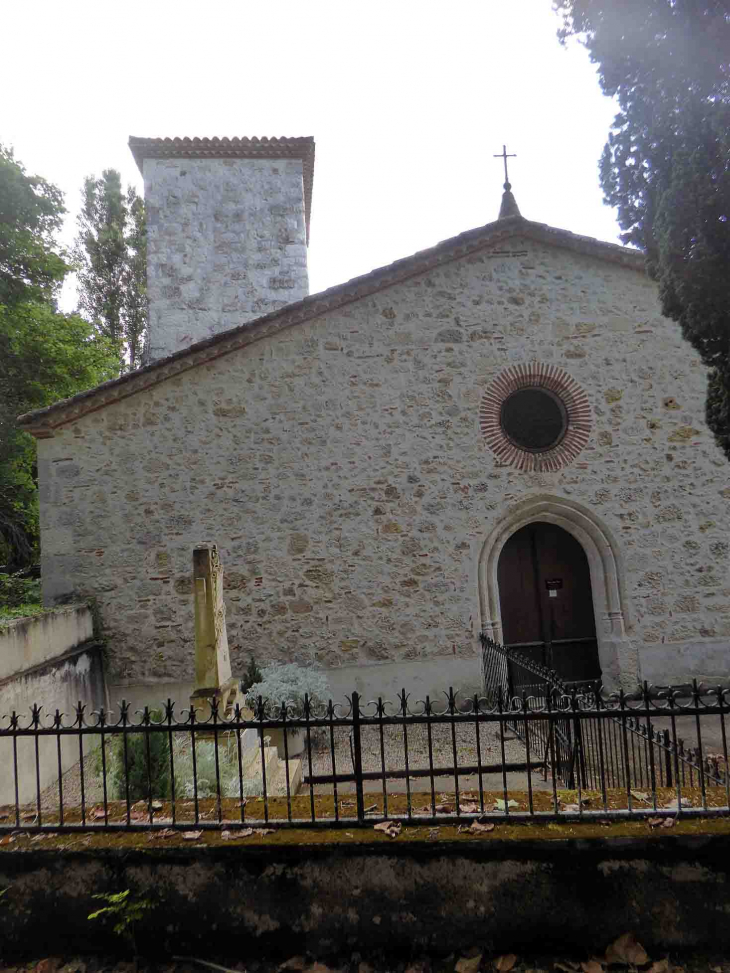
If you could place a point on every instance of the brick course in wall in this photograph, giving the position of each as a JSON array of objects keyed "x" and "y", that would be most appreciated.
[{"x": 341, "y": 468}]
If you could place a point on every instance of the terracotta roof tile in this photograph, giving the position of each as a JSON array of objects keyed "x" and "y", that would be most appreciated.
[{"x": 234, "y": 148}]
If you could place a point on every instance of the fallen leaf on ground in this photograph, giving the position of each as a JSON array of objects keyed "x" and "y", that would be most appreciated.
[
  {"x": 373, "y": 807},
  {"x": 477, "y": 827},
  {"x": 505, "y": 963},
  {"x": 192, "y": 835},
  {"x": 568, "y": 966},
  {"x": 156, "y": 805},
  {"x": 655, "y": 822},
  {"x": 7, "y": 839},
  {"x": 669, "y": 822},
  {"x": 674, "y": 805},
  {"x": 444, "y": 808},
  {"x": 230, "y": 835},
  {"x": 627, "y": 950},
  {"x": 97, "y": 813},
  {"x": 263, "y": 831},
  {"x": 572, "y": 808},
  {"x": 46, "y": 965},
  {"x": 433, "y": 833},
  {"x": 347, "y": 804},
  {"x": 592, "y": 966},
  {"x": 641, "y": 796},
  {"x": 468, "y": 808},
  {"x": 165, "y": 833},
  {"x": 499, "y": 805},
  {"x": 469, "y": 964},
  {"x": 391, "y": 828},
  {"x": 662, "y": 966},
  {"x": 295, "y": 963}
]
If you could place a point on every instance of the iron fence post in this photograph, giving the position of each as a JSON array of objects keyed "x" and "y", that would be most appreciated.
[
  {"x": 357, "y": 753},
  {"x": 667, "y": 758}
]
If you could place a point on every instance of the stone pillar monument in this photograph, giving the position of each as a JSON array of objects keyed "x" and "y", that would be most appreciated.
[{"x": 212, "y": 663}]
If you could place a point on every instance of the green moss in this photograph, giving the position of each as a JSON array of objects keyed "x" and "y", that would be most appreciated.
[{"x": 421, "y": 829}]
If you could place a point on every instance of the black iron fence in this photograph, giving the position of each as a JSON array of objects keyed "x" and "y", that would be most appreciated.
[
  {"x": 637, "y": 744},
  {"x": 472, "y": 761}
]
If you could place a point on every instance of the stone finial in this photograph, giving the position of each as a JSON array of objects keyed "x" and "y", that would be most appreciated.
[
  {"x": 212, "y": 662},
  {"x": 509, "y": 205}
]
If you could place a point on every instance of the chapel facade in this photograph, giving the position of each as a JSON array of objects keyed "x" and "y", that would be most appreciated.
[{"x": 498, "y": 434}]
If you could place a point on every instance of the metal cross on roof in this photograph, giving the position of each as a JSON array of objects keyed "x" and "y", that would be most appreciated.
[{"x": 504, "y": 156}]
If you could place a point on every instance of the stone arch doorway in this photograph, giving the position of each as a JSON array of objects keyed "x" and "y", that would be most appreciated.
[
  {"x": 618, "y": 658},
  {"x": 546, "y": 601}
]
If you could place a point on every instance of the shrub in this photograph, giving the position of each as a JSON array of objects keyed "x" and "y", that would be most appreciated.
[
  {"x": 205, "y": 769},
  {"x": 138, "y": 772},
  {"x": 17, "y": 590},
  {"x": 289, "y": 683},
  {"x": 251, "y": 676}
]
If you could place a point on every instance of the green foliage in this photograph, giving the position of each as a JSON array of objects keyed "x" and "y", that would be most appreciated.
[
  {"x": 205, "y": 771},
  {"x": 124, "y": 911},
  {"x": 31, "y": 212},
  {"x": 111, "y": 257},
  {"x": 666, "y": 166},
  {"x": 16, "y": 590},
  {"x": 44, "y": 356},
  {"x": 147, "y": 763},
  {"x": 289, "y": 683},
  {"x": 251, "y": 676}
]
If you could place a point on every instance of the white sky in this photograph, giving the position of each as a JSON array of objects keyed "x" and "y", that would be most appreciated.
[{"x": 407, "y": 100}]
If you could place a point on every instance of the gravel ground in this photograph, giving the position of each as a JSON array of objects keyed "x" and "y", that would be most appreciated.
[
  {"x": 393, "y": 751},
  {"x": 443, "y": 751}
]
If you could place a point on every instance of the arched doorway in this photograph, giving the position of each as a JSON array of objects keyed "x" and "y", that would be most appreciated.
[{"x": 546, "y": 600}]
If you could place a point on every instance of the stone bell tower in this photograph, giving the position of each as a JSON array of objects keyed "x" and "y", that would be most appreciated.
[{"x": 227, "y": 232}]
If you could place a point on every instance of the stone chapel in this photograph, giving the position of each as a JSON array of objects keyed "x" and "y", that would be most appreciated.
[{"x": 500, "y": 434}]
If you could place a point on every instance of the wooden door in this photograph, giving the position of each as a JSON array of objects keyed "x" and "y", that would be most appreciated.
[{"x": 546, "y": 601}]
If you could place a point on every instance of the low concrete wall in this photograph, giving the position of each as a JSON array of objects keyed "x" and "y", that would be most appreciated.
[
  {"x": 26, "y": 642},
  {"x": 419, "y": 678},
  {"x": 60, "y": 684},
  {"x": 665, "y": 665},
  {"x": 397, "y": 897}
]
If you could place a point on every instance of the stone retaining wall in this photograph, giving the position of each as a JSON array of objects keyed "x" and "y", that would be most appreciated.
[{"x": 405, "y": 898}]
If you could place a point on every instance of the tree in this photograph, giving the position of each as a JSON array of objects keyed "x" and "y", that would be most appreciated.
[
  {"x": 111, "y": 255},
  {"x": 666, "y": 166},
  {"x": 31, "y": 211},
  {"x": 44, "y": 355}
]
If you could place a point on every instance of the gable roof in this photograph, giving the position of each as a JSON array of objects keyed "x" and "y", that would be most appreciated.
[
  {"x": 235, "y": 148},
  {"x": 42, "y": 422}
]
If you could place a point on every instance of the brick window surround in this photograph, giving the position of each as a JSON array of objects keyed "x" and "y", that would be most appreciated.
[{"x": 537, "y": 375}]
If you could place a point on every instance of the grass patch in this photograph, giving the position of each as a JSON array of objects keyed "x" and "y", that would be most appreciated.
[{"x": 27, "y": 610}]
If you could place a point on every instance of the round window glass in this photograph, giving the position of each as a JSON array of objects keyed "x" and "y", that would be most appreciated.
[{"x": 534, "y": 419}]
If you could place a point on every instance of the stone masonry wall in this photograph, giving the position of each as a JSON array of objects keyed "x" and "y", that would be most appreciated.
[
  {"x": 226, "y": 243},
  {"x": 341, "y": 470}
]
